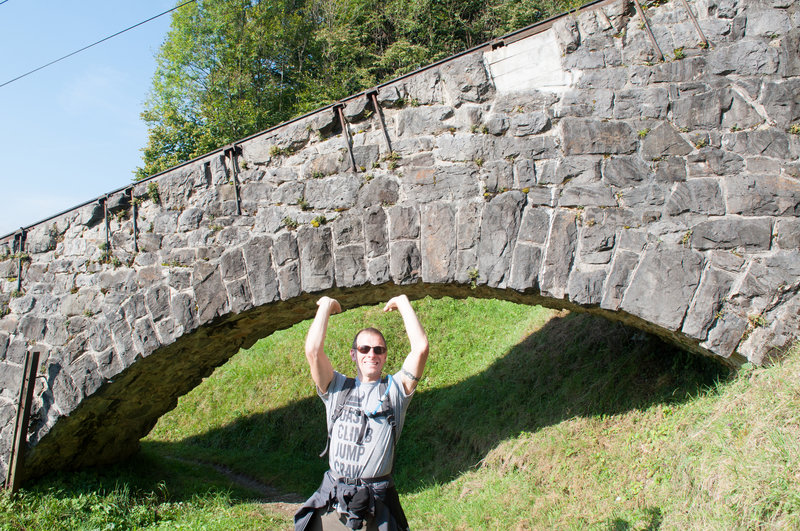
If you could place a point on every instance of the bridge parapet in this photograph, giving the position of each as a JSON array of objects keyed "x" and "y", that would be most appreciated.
[{"x": 564, "y": 166}]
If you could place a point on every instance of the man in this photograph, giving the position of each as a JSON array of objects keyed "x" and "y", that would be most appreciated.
[{"x": 365, "y": 417}]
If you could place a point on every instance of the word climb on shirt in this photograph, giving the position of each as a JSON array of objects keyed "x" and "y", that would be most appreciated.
[{"x": 347, "y": 453}]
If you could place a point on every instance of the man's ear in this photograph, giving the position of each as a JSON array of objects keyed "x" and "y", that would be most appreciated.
[{"x": 353, "y": 354}]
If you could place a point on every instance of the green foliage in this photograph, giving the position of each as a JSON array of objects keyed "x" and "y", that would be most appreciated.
[
  {"x": 153, "y": 193},
  {"x": 228, "y": 69}
]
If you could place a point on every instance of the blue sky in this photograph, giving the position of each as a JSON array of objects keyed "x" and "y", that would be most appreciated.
[{"x": 72, "y": 132}]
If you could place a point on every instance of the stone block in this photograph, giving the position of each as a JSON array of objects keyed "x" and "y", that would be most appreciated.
[
  {"x": 743, "y": 57},
  {"x": 767, "y": 23},
  {"x": 376, "y": 231},
  {"x": 578, "y": 195},
  {"x": 378, "y": 270},
  {"x": 702, "y": 196},
  {"x": 787, "y": 234},
  {"x": 468, "y": 224},
  {"x": 559, "y": 254},
  {"x": 525, "y": 266},
  {"x": 762, "y": 195},
  {"x": 466, "y": 80},
  {"x": 711, "y": 294},
  {"x": 355, "y": 109},
  {"x": 231, "y": 265},
  {"x": 699, "y": 111},
  {"x": 499, "y": 175},
  {"x": 438, "y": 243},
  {"x": 448, "y": 183},
  {"x": 668, "y": 274},
  {"x": 535, "y": 225},
  {"x": 239, "y": 296},
  {"x": 350, "y": 266},
  {"x": 624, "y": 172},
  {"x": 499, "y": 227},
  {"x": 531, "y": 123},
  {"x": 726, "y": 334},
  {"x": 316, "y": 258},
  {"x": 597, "y": 243},
  {"x": 86, "y": 375},
  {"x": 285, "y": 249},
  {"x": 347, "y": 229},
  {"x": 190, "y": 219},
  {"x": 414, "y": 121},
  {"x": 715, "y": 161},
  {"x": 289, "y": 281},
  {"x": 332, "y": 192},
  {"x": 261, "y": 276},
  {"x": 582, "y": 137},
  {"x": 581, "y": 103},
  {"x": 460, "y": 147},
  {"x": 157, "y": 299},
  {"x": 209, "y": 291},
  {"x": 143, "y": 335},
  {"x": 404, "y": 222},
  {"x": 184, "y": 312},
  {"x": 378, "y": 191},
  {"x": 740, "y": 114},
  {"x": 670, "y": 170},
  {"x": 405, "y": 262},
  {"x": 66, "y": 394},
  {"x": 586, "y": 287},
  {"x": 768, "y": 142},
  {"x": 663, "y": 140},
  {"x": 646, "y": 104},
  {"x": 366, "y": 157},
  {"x": 622, "y": 268}
]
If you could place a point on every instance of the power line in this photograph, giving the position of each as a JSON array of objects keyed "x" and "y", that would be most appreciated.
[{"x": 94, "y": 43}]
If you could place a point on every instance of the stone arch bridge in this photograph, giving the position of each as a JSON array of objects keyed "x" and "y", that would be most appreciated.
[{"x": 615, "y": 160}]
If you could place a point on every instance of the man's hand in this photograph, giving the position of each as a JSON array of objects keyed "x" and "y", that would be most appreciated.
[
  {"x": 395, "y": 302},
  {"x": 332, "y": 304}
]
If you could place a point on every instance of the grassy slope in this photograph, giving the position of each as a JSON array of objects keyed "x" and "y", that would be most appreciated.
[{"x": 527, "y": 418}]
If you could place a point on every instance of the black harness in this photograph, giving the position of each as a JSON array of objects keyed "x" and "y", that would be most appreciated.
[{"x": 384, "y": 409}]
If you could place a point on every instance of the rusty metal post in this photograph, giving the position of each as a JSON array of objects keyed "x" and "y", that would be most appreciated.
[
  {"x": 105, "y": 219},
  {"x": 373, "y": 96},
  {"x": 15, "y": 468},
  {"x": 649, "y": 32},
  {"x": 133, "y": 219},
  {"x": 231, "y": 152},
  {"x": 19, "y": 244},
  {"x": 703, "y": 39},
  {"x": 346, "y": 133}
]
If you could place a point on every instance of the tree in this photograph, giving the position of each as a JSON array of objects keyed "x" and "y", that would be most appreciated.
[{"x": 231, "y": 68}]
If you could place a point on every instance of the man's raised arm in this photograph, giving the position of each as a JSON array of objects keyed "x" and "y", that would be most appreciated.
[
  {"x": 414, "y": 364},
  {"x": 318, "y": 362}
]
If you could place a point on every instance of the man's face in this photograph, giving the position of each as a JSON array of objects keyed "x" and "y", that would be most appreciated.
[{"x": 370, "y": 365}]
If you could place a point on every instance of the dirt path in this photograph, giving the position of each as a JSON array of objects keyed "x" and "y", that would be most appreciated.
[{"x": 272, "y": 498}]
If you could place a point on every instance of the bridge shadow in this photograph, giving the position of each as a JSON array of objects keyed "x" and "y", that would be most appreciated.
[{"x": 576, "y": 365}]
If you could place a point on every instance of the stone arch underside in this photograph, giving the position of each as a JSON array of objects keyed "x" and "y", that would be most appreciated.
[{"x": 565, "y": 167}]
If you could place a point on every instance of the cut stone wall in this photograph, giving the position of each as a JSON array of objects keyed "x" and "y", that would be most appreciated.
[{"x": 569, "y": 168}]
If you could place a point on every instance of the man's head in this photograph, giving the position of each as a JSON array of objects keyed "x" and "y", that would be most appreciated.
[{"x": 369, "y": 354}]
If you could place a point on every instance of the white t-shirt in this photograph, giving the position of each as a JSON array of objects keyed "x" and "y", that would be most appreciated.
[{"x": 373, "y": 458}]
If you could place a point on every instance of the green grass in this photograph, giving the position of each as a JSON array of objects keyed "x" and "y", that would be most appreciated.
[{"x": 526, "y": 418}]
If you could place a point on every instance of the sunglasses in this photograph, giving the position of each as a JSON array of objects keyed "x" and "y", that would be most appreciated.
[{"x": 376, "y": 349}]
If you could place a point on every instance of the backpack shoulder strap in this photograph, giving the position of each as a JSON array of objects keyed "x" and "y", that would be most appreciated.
[{"x": 340, "y": 400}]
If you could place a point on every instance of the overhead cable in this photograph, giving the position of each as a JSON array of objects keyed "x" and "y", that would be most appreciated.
[{"x": 94, "y": 43}]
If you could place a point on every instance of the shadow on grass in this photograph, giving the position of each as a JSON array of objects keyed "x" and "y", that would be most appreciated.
[{"x": 576, "y": 365}]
